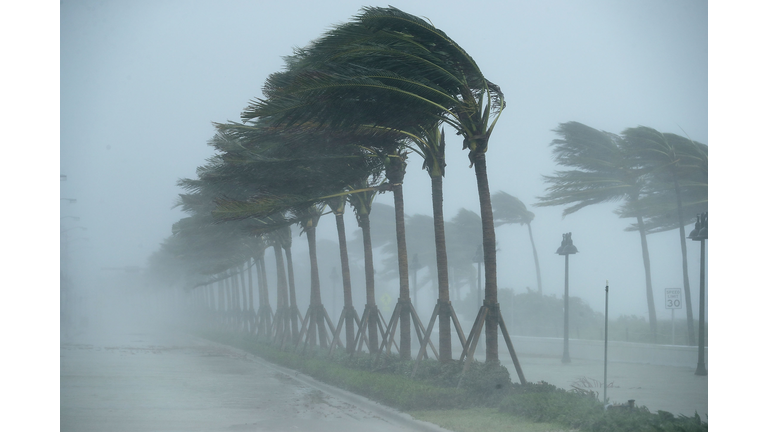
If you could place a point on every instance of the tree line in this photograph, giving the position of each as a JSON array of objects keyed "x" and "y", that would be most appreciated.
[{"x": 334, "y": 129}]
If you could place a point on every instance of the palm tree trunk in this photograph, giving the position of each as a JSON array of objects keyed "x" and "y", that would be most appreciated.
[
  {"x": 395, "y": 174},
  {"x": 228, "y": 292},
  {"x": 251, "y": 308},
  {"x": 370, "y": 295},
  {"x": 292, "y": 294},
  {"x": 264, "y": 308},
  {"x": 684, "y": 249},
  {"x": 220, "y": 305},
  {"x": 535, "y": 258},
  {"x": 346, "y": 283},
  {"x": 282, "y": 289},
  {"x": 316, "y": 326},
  {"x": 489, "y": 253},
  {"x": 648, "y": 284},
  {"x": 243, "y": 311},
  {"x": 443, "y": 293}
]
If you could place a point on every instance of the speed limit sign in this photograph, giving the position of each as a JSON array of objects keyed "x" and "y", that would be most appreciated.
[{"x": 673, "y": 298}]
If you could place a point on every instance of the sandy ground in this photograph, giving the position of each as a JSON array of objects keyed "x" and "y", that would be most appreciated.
[{"x": 158, "y": 381}]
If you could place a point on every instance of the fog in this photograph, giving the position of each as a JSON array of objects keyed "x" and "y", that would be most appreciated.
[
  {"x": 142, "y": 81},
  {"x": 139, "y": 83}
]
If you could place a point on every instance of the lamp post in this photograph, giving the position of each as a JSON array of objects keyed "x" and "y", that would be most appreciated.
[
  {"x": 700, "y": 233},
  {"x": 566, "y": 248}
]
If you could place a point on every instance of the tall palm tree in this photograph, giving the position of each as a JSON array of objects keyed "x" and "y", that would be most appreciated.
[
  {"x": 316, "y": 318},
  {"x": 395, "y": 172},
  {"x": 675, "y": 163},
  {"x": 362, "y": 204},
  {"x": 602, "y": 170},
  {"x": 433, "y": 151},
  {"x": 337, "y": 205},
  {"x": 509, "y": 209}
]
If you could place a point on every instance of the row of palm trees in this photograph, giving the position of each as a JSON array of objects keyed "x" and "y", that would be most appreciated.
[
  {"x": 335, "y": 128},
  {"x": 653, "y": 175}
]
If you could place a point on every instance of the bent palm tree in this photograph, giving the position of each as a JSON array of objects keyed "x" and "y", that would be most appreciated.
[
  {"x": 509, "y": 209},
  {"x": 674, "y": 163},
  {"x": 388, "y": 61},
  {"x": 602, "y": 171}
]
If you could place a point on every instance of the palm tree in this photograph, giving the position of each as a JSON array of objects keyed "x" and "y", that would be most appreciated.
[
  {"x": 509, "y": 209},
  {"x": 433, "y": 151},
  {"x": 395, "y": 172},
  {"x": 675, "y": 164},
  {"x": 388, "y": 61},
  {"x": 362, "y": 203},
  {"x": 316, "y": 317},
  {"x": 348, "y": 313},
  {"x": 602, "y": 170}
]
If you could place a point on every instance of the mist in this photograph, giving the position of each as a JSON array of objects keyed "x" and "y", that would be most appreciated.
[{"x": 142, "y": 82}]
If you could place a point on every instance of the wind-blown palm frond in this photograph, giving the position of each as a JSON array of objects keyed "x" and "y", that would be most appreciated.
[
  {"x": 601, "y": 170},
  {"x": 508, "y": 209}
]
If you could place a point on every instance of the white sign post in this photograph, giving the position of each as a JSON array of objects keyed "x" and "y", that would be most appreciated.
[{"x": 673, "y": 299}]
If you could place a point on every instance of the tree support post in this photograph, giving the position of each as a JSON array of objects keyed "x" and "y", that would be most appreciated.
[
  {"x": 487, "y": 309},
  {"x": 404, "y": 307},
  {"x": 442, "y": 307},
  {"x": 348, "y": 314}
]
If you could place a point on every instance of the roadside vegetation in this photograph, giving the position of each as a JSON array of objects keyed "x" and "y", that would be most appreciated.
[{"x": 484, "y": 395}]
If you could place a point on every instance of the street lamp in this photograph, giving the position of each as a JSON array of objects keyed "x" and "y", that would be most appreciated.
[
  {"x": 566, "y": 248},
  {"x": 700, "y": 233}
]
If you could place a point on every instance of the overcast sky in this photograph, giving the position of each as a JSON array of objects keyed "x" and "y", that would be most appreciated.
[
  {"x": 142, "y": 81},
  {"x": 129, "y": 89}
]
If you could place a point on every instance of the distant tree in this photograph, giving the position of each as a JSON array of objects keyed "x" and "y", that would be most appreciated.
[
  {"x": 464, "y": 234},
  {"x": 509, "y": 209},
  {"x": 676, "y": 165},
  {"x": 602, "y": 170}
]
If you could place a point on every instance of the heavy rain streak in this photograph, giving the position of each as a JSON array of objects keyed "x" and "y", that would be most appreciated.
[{"x": 425, "y": 216}]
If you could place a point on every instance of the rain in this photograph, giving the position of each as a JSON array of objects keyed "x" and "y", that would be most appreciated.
[{"x": 147, "y": 87}]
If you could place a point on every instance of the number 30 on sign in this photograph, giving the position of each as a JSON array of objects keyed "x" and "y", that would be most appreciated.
[{"x": 673, "y": 298}]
